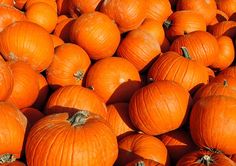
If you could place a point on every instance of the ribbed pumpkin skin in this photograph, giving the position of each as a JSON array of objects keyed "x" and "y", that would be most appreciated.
[
  {"x": 114, "y": 79},
  {"x": 143, "y": 146},
  {"x": 13, "y": 126},
  {"x": 128, "y": 14},
  {"x": 206, "y": 8},
  {"x": 145, "y": 162},
  {"x": 229, "y": 6},
  {"x": 85, "y": 6},
  {"x": 139, "y": 48},
  {"x": 226, "y": 28},
  {"x": 150, "y": 105},
  {"x": 33, "y": 44},
  {"x": 9, "y": 15},
  {"x": 218, "y": 113},
  {"x": 26, "y": 88},
  {"x": 193, "y": 159},
  {"x": 182, "y": 22},
  {"x": 118, "y": 118},
  {"x": 68, "y": 66},
  {"x": 6, "y": 80},
  {"x": 54, "y": 141},
  {"x": 202, "y": 47},
  {"x": 178, "y": 143},
  {"x": 96, "y": 34},
  {"x": 172, "y": 66},
  {"x": 73, "y": 98},
  {"x": 159, "y": 10}
]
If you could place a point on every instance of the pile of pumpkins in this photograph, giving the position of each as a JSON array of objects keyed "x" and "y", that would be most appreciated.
[{"x": 117, "y": 82}]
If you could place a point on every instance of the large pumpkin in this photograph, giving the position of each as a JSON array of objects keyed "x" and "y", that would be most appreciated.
[
  {"x": 150, "y": 105},
  {"x": 114, "y": 79},
  {"x": 72, "y": 98},
  {"x": 26, "y": 41},
  {"x": 218, "y": 113},
  {"x": 96, "y": 33},
  {"x": 81, "y": 139}
]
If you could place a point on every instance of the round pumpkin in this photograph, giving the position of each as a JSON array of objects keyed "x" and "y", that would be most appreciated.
[
  {"x": 85, "y": 6},
  {"x": 139, "y": 48},
  {"x": 231, "y": 81},
  {"x": 114, "y": 79},
  {"x": 141, "y": 146},
  {"x": 57, "y": 41},
  {"x": 143, "y": 162},
  {"x": 72, "y": 98},
  {"x": 202, "y": 47},
  {"x": 32, "y": 114},
  {"x": 26, "y": 88},
  {"x": 226, "y": 28},
  {"x": 205, "y": 158},
  {"x": 218, "y": 113},
  {"x": 13, "y": 127},
  {"x": 81, "y": 139},
  {"x": 68, "y": 66},
  {"x": 150, "y": 105},
  {"x": 28, "y": 42},
  {"x": 128, "y": 14},
  {"x": 227, "y": 6},
  {"x": 51, "y": 3},
  {"x": 96, "y": 34}
]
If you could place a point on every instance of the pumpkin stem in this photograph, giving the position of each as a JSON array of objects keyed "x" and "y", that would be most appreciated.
[
  {"x": 79, "y": 75},
  {"x": 79, "y": 118},
  {"x": 140, "y": 163},
  {"x": 185, "y": 52},
  {"x": 90, "y": 87},
  {"x": 12, "y": 56},
  {"x": 167, "y": 24},
  {"x": 206, "y": 160},
  {"x": 226, "y": 83},
  {"x": 7, "y": 158}
]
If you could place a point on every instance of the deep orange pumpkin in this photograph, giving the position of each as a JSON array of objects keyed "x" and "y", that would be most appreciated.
[
  {"x": 140, "y": 48},
  {"x": 231, "y": 81},
  {"x": 32, "y": 114},
  {"x": 68, "y": 66},
  {"x": 51, "y": 3},
  {"x": 114, "y": 79},
  {"x": 230, "y": 71},
  {"x": 82, "y": 139},
  {"x": 218, "y": 113},
  {"x": 97, "y": 34},
  {"x": 128, "y": 14},
  {"x": 33, "y": 44},
  {"x": 220, "y": 16},
  {"x": 150, "y": 105},
  {"x": 57, "y": 41},
  {"x": 233, "y": 157},
  {"x": 226, "y": 28},
  {"x": 227, "y": 6},
  {"x": 72, "y": 98},
  {"x": 85, "y": 6}
]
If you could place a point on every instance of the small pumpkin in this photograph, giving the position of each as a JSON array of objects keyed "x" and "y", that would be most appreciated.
[{"x": 226, "y": 28}]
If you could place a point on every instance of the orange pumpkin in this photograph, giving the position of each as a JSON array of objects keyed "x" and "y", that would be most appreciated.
[
  {"x": 220, "y": 16},
  {"x": 82, "y": 139},
  {"x": 140, "y": 48},
  {"x": 85, "y": 6},
  {"x": 96, "y": 34},
  {"x": 68, "y": 66},
  {"x": 57, "y": 41},
  {"x": 114, "y": 79},
  {"x": 72, "y": 98},
  {"x": 51, "y": 3},
  {"x": 226, "y": 28},
  {"x": 227, "y": 6},
  {"x": 128, "y": 14},
  {"x": 26, "y": 87},
  {"x": 230, "y": 71},
  {"x": 32, "y": 114},
  {"x": 33, "y": 44},
  {"x": 19, "y": 4},
  {"x": 231, "y": 81},
  {"x": 7, "y": 2}
]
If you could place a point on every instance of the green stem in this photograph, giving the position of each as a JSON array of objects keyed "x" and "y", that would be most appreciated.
[
  {"x": 206, "y": 160},
  {"x": 185, "y": 52},
  {"x": 7, "y": 158},
  {"x": 167, "y": 24},
  {"x": 79, "y": 118},
  {"x": 79, "y": 75},
  {"x": 140, "y": 163}
]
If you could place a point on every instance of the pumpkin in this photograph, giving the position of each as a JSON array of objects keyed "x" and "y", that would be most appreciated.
[
  {"x": 226, "y": 53},
  {"x": 150, "y": 104},
  {"x": 206, "y": 8},
  {"x": 205, "y": 158},
  {"x": 114, "y": 79},
  {"x": 33, "y": 44},
  {"x": 139, "y": 48},
  {"x": 63, "y": 28},
  {"x": 143, "y": 162},
  {"x": 220, "y": 16},
  {"x": 128, "y": 14},
  {"x": 159, "y": 10},
  {"x": 13, "y": 127},
  {"x": 26, "y": 87},
  {"x": 85, "y": 6},
  {"x": 57, "y": 41},
  {"x": 118, "y": 118},
  {"x": 32, "y": 114},
  {"x": 213, "y": 112},
  {"x": 138, "y": 146},
  {"x": 51, "y": 3},
  {"x": 81, "y": 139},
  {"x": 172, "y": 66},
  {"x": 47, "y": 19},
  {"x": 231, "y": 81},
  {"x": 6, "y": 80},
  {"x": 72, "y": 98},
  {"x": 202, "y": 46},
  {"x": 68, "y": 66},
  {"x": 9, "y": 15},
  {"x": 96, "y": 34},
  {"x": 228, "y": 7},
  {"x": 19, "y": 4},
  {"x": 178, "y": 143},
  {"x": 230, "y": 71},
  {"x": 226, "y": 28},
  {"x": 183, "y": 22},
  {"x": 6, "y": 2},
  {"x": 215, "y": 88},
  {"x": 14, "y": 163}
]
